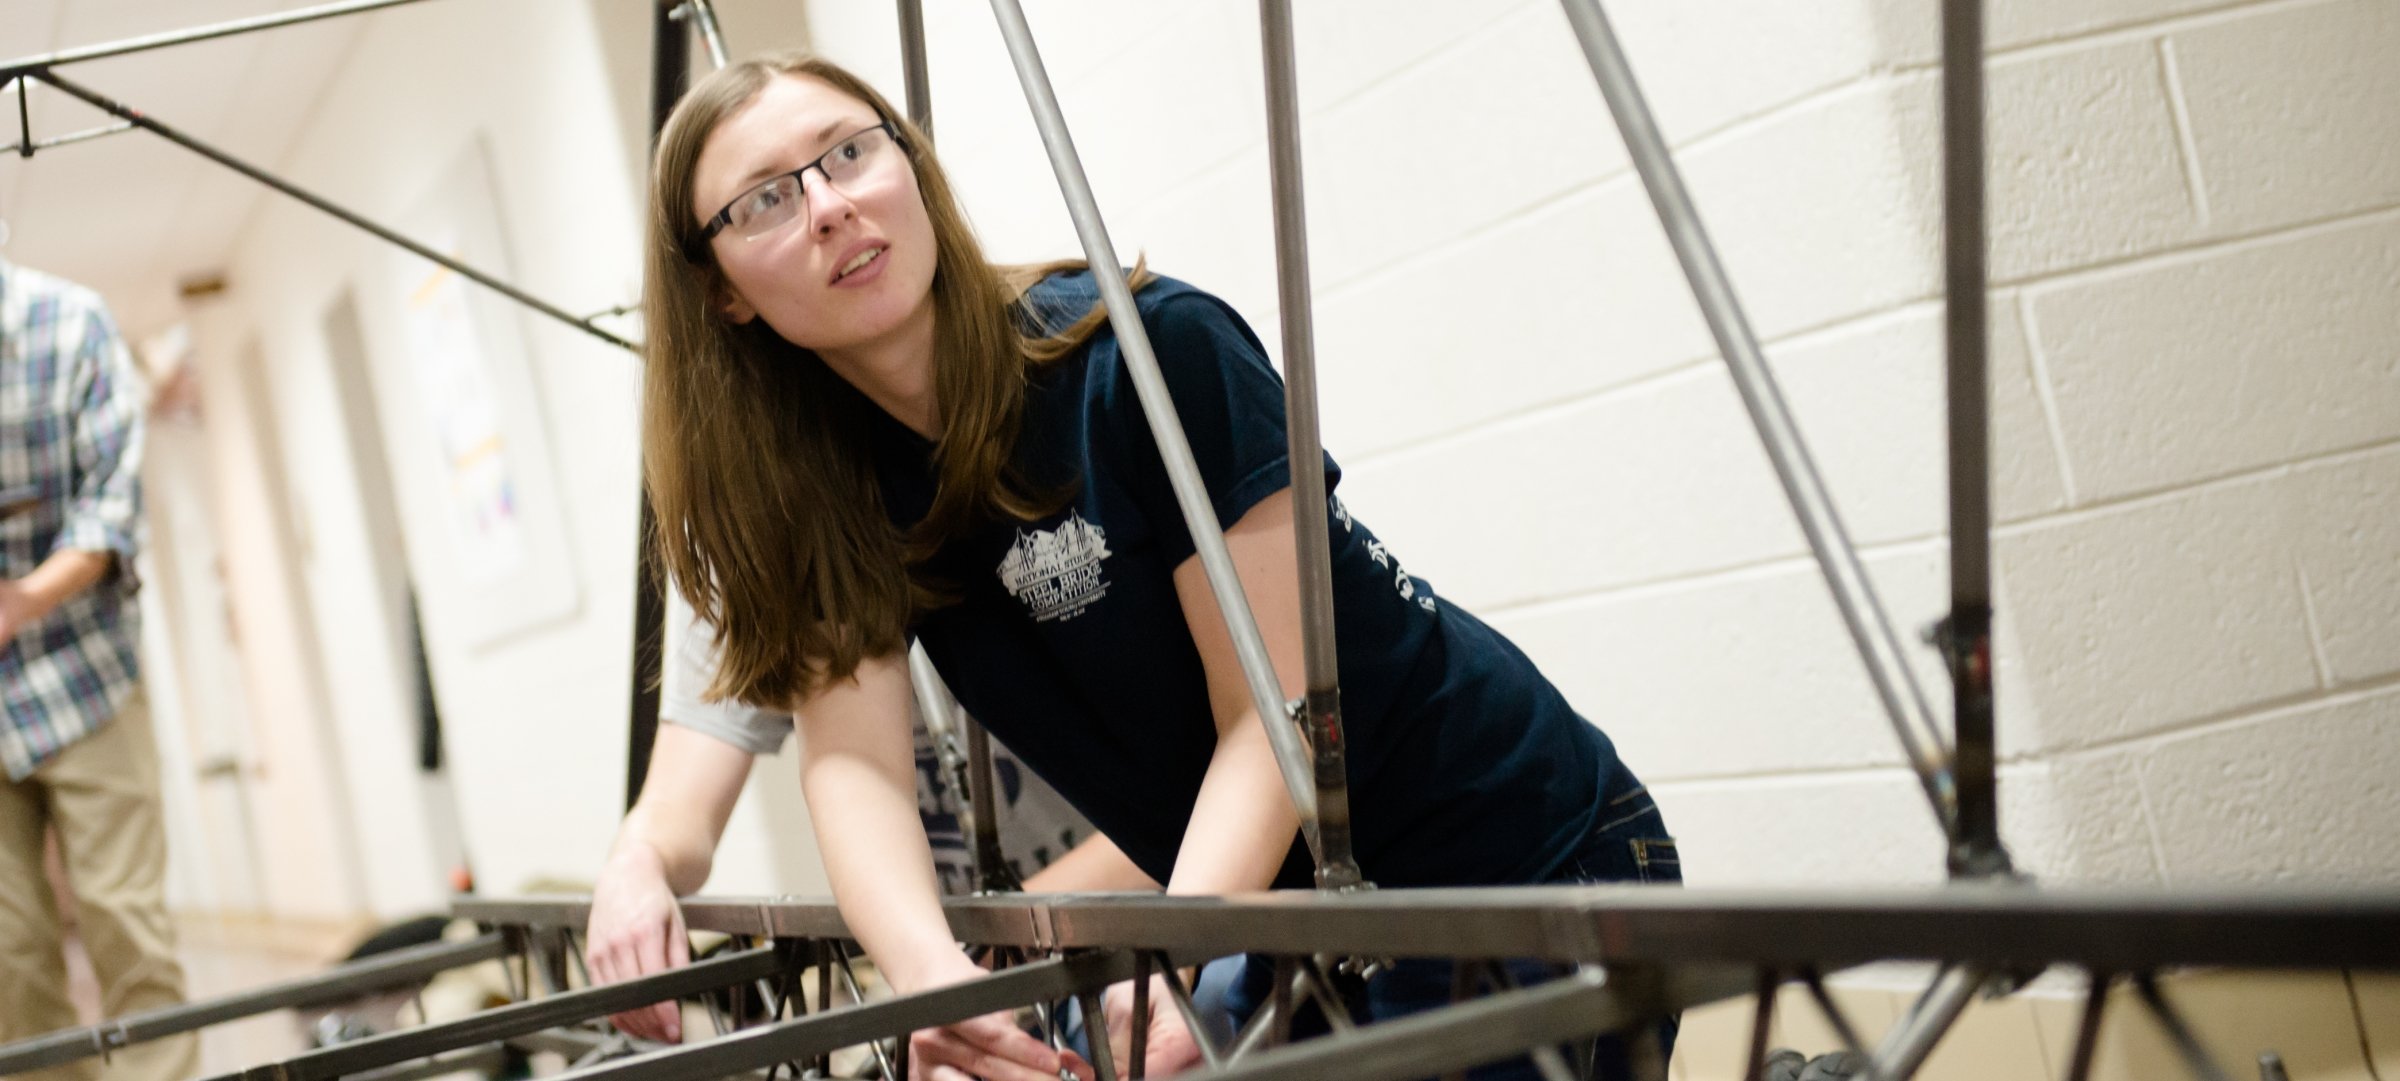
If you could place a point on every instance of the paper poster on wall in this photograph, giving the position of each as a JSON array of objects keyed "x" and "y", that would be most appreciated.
[
  {"x": 454, "y": 381},
  {"x": 497, "y": 563}
]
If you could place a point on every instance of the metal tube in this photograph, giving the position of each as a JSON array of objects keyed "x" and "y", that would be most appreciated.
[
  {"x": 375, "y": 1052},
  {"x": 1191, "y": 493},
  {"x": 144, "y": 122},
  {"x": 704, "y": 16},
  {"x": 1870, "y": 628},
  {"x": 1994, "y": 926},
  {"x": 2178, "y": 1033},
  {"x": 1907, "y": 1045},
  {"x": 670, "y": 69},
  {"x": 832, "y": 1030},
  {"x": 1337, "y": 869},
  {"x": 1182, "y": 996},
  {"x": 2087, "y": 1031},
  {"x": 992, "y": 872},
  {"x": 70, "y": 138},
  {"x": 398, "y": 968},
  {"x": 1975, "y": 848},
  {"x": 1489, "y": 1029},
  {"x": 969, "y": 773},
  {"x": 883, "y": 1058},
  {"x": 1762, "y": 1019},
  {"x": 204, "y": 33},
  {"x": 1095, "y": 1028},
  {"x": 912, "y": 65},
  {"x": 1832, "y": 1010},
  {"x": 1138, "y": 1031}
]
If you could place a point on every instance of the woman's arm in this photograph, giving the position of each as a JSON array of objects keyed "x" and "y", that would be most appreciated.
[
  {"x": 859, "y": 772},
  {"x": 1243, "y": 821},
  {"x": 1095, "y": 864},
  {"x": 663, "y": 850}
]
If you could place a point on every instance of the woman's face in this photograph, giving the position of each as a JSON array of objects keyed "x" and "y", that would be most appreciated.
[{"x": 854, "y": 265}]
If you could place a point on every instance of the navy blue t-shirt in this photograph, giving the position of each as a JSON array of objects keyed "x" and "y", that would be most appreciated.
[{"x": 1069, "y": 642}]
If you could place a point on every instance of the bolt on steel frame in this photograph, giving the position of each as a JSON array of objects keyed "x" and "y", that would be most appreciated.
[{"x": 1629, "y": 955}]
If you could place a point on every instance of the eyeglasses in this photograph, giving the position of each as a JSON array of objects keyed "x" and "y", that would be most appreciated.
[{"x": 776, "y": 201}]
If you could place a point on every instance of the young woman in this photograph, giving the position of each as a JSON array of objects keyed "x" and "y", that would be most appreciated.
[{"x": 858, "y": 432}]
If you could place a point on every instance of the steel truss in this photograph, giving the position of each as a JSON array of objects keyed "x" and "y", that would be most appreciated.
[{"x": 1625, "y": 957}]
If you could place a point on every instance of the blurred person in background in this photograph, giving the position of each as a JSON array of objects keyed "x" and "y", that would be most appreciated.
[{"x": 76, "y": 740}]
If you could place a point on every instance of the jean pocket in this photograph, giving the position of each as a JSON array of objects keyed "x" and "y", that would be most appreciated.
[{"x": 1655, "y": 859}]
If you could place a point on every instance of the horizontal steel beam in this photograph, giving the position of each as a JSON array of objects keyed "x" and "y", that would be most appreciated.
[
  {"x": 377, "y": 1052},
  {"x": 1970, "y": 923},
  {"x": 398, "y": 968}
]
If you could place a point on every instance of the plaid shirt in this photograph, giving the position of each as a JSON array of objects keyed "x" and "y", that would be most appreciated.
[{"x": 70, "y": 478}]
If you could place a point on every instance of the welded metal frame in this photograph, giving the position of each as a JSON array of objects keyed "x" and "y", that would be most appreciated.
[
  {"x": 26, "y": 71},
  {"x": 1634, "y": 954},
  {"x": 1631, "y": 955},
  {"x": 397, "y": 969}
]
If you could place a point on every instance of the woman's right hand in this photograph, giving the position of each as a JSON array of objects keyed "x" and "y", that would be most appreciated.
[
  {"x": 990, "y": 1047},
  {"x": 637, "y": 930}
]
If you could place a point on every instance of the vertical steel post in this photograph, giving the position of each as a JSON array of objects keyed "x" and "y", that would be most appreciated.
[
  {"x": 670, "y": 70},
  {"x": 918, "y": 80},
  {"x": 1158, "y": 406},
  {"x": 1975, "y": 848},
  {"x": 1322, "y": 708}
]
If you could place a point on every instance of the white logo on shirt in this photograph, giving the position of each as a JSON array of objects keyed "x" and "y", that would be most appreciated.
[
  {"x": 1057, "y": 573},
  {"x": 1383, "y": 557}
]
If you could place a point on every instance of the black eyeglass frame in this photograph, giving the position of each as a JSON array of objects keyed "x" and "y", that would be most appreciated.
[{"x": 719, "y": 221}]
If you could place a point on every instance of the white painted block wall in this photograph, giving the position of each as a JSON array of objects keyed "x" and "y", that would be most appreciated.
[{"x": 2195, "y": 377}]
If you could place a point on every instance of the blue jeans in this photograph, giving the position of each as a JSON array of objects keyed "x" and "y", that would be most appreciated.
[{"x": 1629, "y": 842}]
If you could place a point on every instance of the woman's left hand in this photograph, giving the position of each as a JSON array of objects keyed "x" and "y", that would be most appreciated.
[{"x": 1168, "y": 1047}]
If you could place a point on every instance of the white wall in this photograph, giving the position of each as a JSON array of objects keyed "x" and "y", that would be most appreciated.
[
  {"x": 2196, "y": 404},
  {"x": 535, "y": 724},
  {"x": 535, "y": 721}
]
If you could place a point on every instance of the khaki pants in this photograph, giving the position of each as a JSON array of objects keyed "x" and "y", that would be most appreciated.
[{"x": 101, "y": 794}]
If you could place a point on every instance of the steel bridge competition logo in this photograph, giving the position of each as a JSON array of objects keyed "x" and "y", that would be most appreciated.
[{"x": 1056, "y": 573}]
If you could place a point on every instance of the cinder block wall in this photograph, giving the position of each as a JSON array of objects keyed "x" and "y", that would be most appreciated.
[{"x": 2195, "y": 378}]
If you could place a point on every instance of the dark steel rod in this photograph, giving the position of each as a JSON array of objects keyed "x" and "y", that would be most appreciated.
[
  {"x": 73, "y": 137},
  {"x": 704, "y": 16},
  {"x": 1191, "y": 493},
  {"x": 2195, "y": 1057},
  {"x": 473, "y": 1061},
  {"x": 1182, "y": 996},
  {"x": 173, "y": 135},
  {"x": 2087, "y": 1031},
  {"x": 375, "y": 1052},
  {"x": 1853, "y": 592},
  {"x": 914, "y": 74},
  {"x": 1975, "y": 847},
  {"x": 1815, "y": 982},
  {"x": 828, "y": 1031},
  {"x": 1321, "y": 708},
  {"x": 1762, "y": 1020},
  {"x": 1490, "y": 1029},
  {"x": 992, "y": 872},
  {"x": 185, "y": 37},
  {"x": 1138, "y": 1032},
  {"x": 398, "y": 968},
  {"x": 670, "y": 70},
  {"x": 883, "y": 1057},
  {"x": 1910, "y": 1042}
]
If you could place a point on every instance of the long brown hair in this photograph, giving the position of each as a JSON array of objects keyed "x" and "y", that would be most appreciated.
[{"x": 769, "y": 517}]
